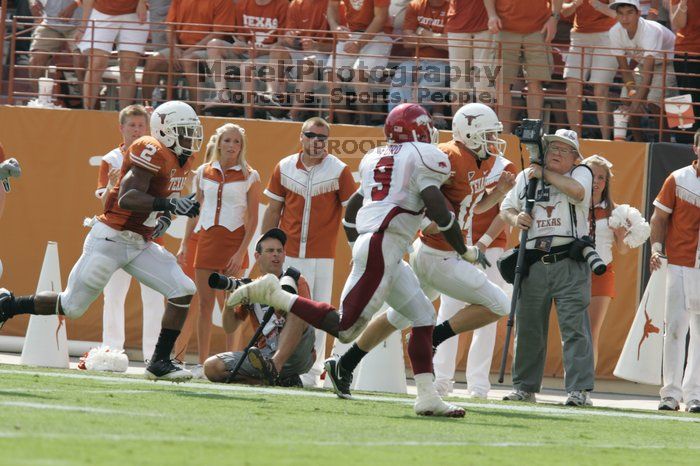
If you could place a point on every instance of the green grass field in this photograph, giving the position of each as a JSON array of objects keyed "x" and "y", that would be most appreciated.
[{"x": 51, "y": 417}]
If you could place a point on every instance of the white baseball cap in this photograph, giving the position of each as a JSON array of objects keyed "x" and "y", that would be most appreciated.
[
  {"x": 567, "y": 136},
  {"x": 634, "y": 3}
]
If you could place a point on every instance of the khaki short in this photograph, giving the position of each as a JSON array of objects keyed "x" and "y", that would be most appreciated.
[
  {"x": 529, "y": 50},
  {"x": 48, "y": 39},
  {"x": 658, "y": 90}
]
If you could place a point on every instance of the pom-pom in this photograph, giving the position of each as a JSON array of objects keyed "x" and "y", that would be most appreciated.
[
  {"x": 633, "y": 222},
  {"x": 104, "y": 358}
]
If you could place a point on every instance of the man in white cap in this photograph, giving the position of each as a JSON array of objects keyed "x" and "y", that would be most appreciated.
[{"x": 560, "y": 217}]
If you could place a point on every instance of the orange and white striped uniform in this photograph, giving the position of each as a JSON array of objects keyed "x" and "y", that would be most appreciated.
[
  {"x": 313, "y": 205},
  {"x": 680, "y": 198}
]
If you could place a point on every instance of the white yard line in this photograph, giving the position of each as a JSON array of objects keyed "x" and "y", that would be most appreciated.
[
  {"x": 535, "y": 409},
  {"x": 82, "y": 409},
  {"x": 229, "y": 440}
]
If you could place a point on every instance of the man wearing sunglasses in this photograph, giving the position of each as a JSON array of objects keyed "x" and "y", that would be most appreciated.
[{"x": 307, "y": 193}]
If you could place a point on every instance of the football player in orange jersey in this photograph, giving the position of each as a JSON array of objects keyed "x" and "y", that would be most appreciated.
[{"x": 151, "y": 178}]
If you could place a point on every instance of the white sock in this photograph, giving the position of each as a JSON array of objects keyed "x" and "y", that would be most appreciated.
[{"x": 424, "y": 385}]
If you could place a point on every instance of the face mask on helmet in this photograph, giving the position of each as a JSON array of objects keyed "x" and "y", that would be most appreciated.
[
  {"x": 189, "y": 140},
  {"x": 490, "y": 144}
]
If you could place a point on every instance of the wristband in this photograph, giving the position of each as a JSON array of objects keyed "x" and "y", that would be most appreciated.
[
  {"x": 657, "y": 247},
  {"x": 486, "y": 240},
  {"x": 449, "y": 224},
  {"x": 348, "y": 224},
  {"x": 161, "y": 204}
]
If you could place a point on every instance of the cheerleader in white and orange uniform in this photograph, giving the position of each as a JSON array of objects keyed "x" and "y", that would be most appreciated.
[
  {"x": 229, "y": 192},
  {"x": 603, "y": 286}
]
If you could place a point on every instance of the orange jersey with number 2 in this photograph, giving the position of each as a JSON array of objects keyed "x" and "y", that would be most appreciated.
[{"x": 168, "y": 180}]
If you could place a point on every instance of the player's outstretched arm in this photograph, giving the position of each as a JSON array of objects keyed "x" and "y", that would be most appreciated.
[{"x": 437, "y": 211}]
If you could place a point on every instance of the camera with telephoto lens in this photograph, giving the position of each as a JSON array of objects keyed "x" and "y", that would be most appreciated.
[
  {"x": 530, "y": 133},
  {"x": 218, "y": 281},
  {"x": 583, "y": 249}
]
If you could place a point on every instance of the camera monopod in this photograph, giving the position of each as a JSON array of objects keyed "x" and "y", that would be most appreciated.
[
  {"x": 520, "y": 261},
  {"x": 253, "y": 341}
]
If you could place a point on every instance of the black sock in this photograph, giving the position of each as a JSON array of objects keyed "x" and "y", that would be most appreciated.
[
  {"x": 166, "y": 341},
  {"x": 352, "y": 358},
  {"x": 21, "y": 305},
  {"x": 441, "y": 333}
]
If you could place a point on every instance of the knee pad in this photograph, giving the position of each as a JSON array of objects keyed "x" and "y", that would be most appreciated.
[
  {"x": 503, "y": 304},
  {"x": 71, "y": 308},
  {"x": 417, "y": 310},
  {"x": 398, "y": 321},
  {"x": 350, "y": 334},
  {"x": 184, "y": 287}
]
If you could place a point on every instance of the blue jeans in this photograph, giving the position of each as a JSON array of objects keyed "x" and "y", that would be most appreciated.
[{"x": 432, "y": 78}]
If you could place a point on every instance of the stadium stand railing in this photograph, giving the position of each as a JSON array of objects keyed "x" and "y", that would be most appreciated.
[{"x": 252, "y": 99}]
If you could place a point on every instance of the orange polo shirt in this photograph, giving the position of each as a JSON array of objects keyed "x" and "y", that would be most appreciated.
[{"x": 420, "y": 14}]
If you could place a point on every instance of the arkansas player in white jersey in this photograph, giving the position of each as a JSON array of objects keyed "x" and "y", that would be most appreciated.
[
  {"x": 398, "y": 181},
  {"x": 441, "y": 272},
  {"x": 152, "y": 176}
]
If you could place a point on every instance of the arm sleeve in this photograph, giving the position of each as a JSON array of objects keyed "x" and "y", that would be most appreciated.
[
  {"x": 584, "y": 177},
  {"x": 347, "y": 186},
  {"x": 253, "y": 176},
  {"x": 102, "y": 178},
  {"x": 275, "y": 190},
  {"x": 666, "y": 200},
  {"x": 615, "y": 44},
  {"x": 433, "y": 167},
  {"x": 410, "y": 22},
  {"x": 652, "y": 42},
  {"x": 512, "y": 199},
  {"x": 147, "y": 156}
]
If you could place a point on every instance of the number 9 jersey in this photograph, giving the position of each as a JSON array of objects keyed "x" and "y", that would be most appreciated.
[
  {"x": 392, "y": 179},
  {"x": 168, "y": 179}
]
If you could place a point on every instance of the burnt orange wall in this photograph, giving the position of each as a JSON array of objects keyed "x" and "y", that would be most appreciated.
[{"x": 56, "y": 190}]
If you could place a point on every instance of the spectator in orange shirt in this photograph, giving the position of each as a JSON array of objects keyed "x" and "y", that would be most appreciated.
[
  {"x": 471, "y": 44},
  {"x": 307, "y": 193},
  {"x": 193, "y": 23},
  {"x": 685, "y": 21},
  {"x": 589, "y": 60},
  {"x": 362, "y": 44},
  {"x": 426, "y": 20},
  {"x": 258, "y": 24},
  {"x": 529, "y": 26},
  {"x": 306, "y": 46},
  {"x": 104, "y": 22}
]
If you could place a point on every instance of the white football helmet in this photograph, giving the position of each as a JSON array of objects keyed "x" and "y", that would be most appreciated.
[
  {"x": 477, "y": 127},
  {"x": 174, "y": 120}
]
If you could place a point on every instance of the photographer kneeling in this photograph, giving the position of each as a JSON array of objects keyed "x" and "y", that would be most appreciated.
[
  {"x": 285, "y": 349},
  {"x": 555, "y": 269}
]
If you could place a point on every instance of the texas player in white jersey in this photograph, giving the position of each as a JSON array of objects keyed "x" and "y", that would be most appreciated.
[
  {"x": 398, "y": 181},
  {"x": 472, "y": 152},
  {"x": 151, "y": 179}
]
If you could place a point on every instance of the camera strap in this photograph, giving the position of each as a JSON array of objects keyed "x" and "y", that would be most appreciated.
[{"x": 591, "y": 211}]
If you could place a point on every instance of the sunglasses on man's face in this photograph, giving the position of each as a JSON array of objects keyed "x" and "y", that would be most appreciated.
[{"x": 312, "y": 135}]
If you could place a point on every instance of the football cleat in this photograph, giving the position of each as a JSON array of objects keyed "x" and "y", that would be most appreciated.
[
  {"x": 339, "y": 376},
  {"x": 263, "y": 365},
  {"x": 260, "y": 291},
  {"x": 5, "y": 295},
  {"x": 435, "y": 406},
  {"x": 166, "y": 369},
  {"x": 669, "y": 403}
]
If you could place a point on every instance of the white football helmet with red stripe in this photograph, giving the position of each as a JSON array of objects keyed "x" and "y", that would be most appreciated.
[
  {"x": 477, "y": 126},
  {"x": 175, "y": 122}
]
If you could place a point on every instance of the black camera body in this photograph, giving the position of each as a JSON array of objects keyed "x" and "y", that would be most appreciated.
[
  {"x": 583, "y": 250},
  {"x": 530, "y": 132},
  {"x": 289, "y": 281}
]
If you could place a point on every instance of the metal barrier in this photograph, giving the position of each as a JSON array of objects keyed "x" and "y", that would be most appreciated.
[{"x": 241, "y": 79}]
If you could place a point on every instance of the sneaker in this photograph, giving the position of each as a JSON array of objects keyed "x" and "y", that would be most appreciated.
[
  {"x": 435, "y": 406},
  {"x": 259, "y": 291},
  {"x": 5, "y": 295},
  {"x": 197, "y": 371},
  {"x": 693, "y": 406},
  {"x": 579, "y": 398},
  {"x": 520, "y": 395},
  {"x": 166, "y": 369},
  {"x": 264, "y": 365},
  {"x": 668, "y": 403},
  {"x": 340, "y": 377},
  {"x": 443, "y": 387}
]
